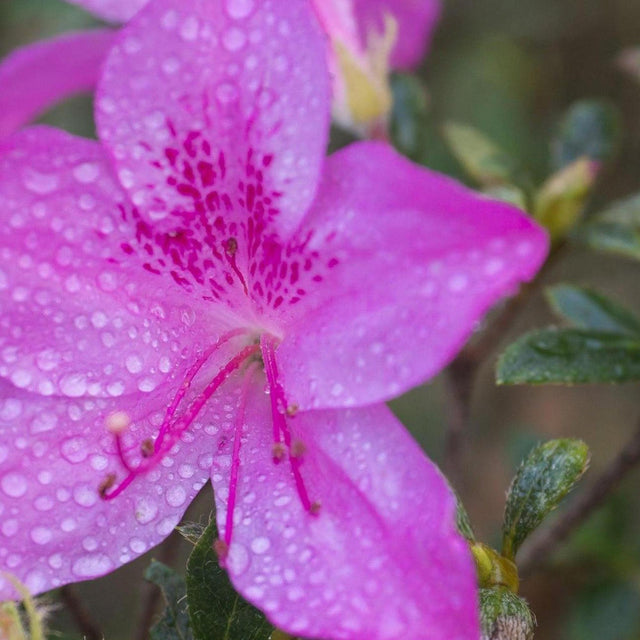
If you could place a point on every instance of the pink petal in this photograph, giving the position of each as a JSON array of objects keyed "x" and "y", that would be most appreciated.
[
  {"x": 381, "y": 560},
  {"x": 415, "y": 260},
  {"x": 80, "y": 315},
  {"x": 54, "y": 453},
  {"x": 218, "y": 108},
  {"x": 37, "y": 76},
  {"x": 416, "y": 21},
  {"x": 112, "y": 10}
]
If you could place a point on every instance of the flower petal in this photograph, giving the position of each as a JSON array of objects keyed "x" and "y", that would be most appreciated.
[
  {"x": 416, "y": 21},
  {"x": 416, "y": 260},
  {"x": 381, "y": 560},
  {"x": 112, "y": 10},
  {"x": 54, "y": 454},
  {"x": 214, "y": 110},
  {"x": 80, "y": 314},
  {"x": 37, "y": 76}
]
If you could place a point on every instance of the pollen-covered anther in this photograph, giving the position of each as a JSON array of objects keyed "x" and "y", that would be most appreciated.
[
  {"x": 221, "y": 548},
  {"x": 298, "y": 449},
  {"x": 118, "y": 422},
  {"x": 106, "y": 484},
  {"x": 279, "y": 451},
  {"x": 315, "y": 508},
  {"x": 292, "y": 409},
  {"x": 146, "y": 448}
]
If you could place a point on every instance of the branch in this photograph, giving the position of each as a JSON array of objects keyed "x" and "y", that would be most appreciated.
[
  {"x": 544, "y": 544},
  {"x": 80, "y": 614}
]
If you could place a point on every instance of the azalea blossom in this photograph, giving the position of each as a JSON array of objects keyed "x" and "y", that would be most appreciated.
[
  {"x": 202, "y": 294},
  {"x": 367, "y": 38}
]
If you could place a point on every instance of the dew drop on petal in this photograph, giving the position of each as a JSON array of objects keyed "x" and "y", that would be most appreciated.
[
  {"x": 176, "y": 496},
  {"x": 260, "y": 545},
  {"x": 91, "y": 566},
  {"x": 14, "y": 484},
  {"x": 238, "y": 9}
]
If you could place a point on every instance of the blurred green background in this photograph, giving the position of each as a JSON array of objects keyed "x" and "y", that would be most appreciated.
[{"x": 511, "y": 69}]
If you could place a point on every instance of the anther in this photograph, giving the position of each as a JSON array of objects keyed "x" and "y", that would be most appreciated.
[
  {"x": 292, "y": 409},
  {"x": 108, "y": 483},
  {"x": 231, "y": 246},
  {"x": 146, "y": 448},
  {"x": 298, "y": 449},
  {"x": 118, "y": 422},
  {"x": 279, "y": 451},
  {"x": 315, "y": 507},
  {"x": 221, "y": 548}
]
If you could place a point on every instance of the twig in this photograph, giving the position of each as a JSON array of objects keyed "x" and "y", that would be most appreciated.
[
  {"x": 167, "y": 554},
  {"x": 81, "y": 615},
  {"x": 463, "y": 371},
  {"x": 542, "y": 545}
]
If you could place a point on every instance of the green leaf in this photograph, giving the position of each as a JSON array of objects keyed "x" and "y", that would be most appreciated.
[
  {"x": 544, "y": 478},
  {"x": 508, "y": 193},
  {"x": 463, "y": 523},
  {"x": 560, "y": 201},
  {"x": 590, "y": 128},
  {"x": 569, "y": 356},
  {"x": 174, "y": 624},
  {"x": 588, "y": 309},
  {"x": 191, "y": 531},
  {"x": 505, "y": 616},
  {"x": 408, "y": 121},
  {"x": 616, "y": 229},
  {"x": 485, "y": 162},
  {"x": 216, "y": 611}
]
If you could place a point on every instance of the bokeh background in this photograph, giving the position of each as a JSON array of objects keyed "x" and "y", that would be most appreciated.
[{"x": 511, "y": 69}]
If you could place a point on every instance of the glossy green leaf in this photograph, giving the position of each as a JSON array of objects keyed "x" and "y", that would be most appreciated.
[
  {"x": 505, "y": 616},
  {"x": 485, "y": 162},
  {"x": 570, "y": 356},
  {"x": 590, "y": 128},
  {"x": 616, "y": 229},
  {"x": 589, "y": 309},
  {"x": 216, "y": 611},
  {"x": 408, "y": 119},
  {"x": 174, "y": 623},
  {"x": 543, "y": 479}
]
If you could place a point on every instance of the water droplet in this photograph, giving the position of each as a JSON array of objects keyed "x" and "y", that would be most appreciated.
[
  {"x": 176, "y": 496},
  {"x": 238, "y": 9},
  {"x": 146, "y": 510},
  {"x": 238, "y": 559},
  {"x": 73, "y": 385},
  {"x": 189, "y": 29},
  {"x": 226, "y": 93},
  {"x": 92, "y": 566},
  {"x": 41, "y": 535},
  {"x": 41, "y": 183},
  {"x": 234, "y": 39},
  {"x": 260, "y": 545},
  {"x": 85, "y": 496},
  {"x": 74, "y": 449},
  {"x": 133, "y": 364},
  {"x": 86, "y": 172},
  {"x": 14, "y": 484}
]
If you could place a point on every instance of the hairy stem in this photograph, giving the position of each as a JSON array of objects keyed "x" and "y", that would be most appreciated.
[{"x": 544, "y": 544}]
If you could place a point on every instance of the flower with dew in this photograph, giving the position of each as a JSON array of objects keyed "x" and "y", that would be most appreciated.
[
  {"x": 367, "y": 39},
  {"x": 202, "y": 294}
]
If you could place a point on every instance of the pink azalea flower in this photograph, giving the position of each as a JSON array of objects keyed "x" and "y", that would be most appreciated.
[
  {"x": 203, "y": 294},
  {"x": 367, "y": 39}
]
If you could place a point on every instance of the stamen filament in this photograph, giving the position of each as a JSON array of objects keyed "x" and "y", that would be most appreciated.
[
  {"x": 170, "y": 432},
  {"x": 278, "y": 404},
  {"x": 235, "y": 457}
]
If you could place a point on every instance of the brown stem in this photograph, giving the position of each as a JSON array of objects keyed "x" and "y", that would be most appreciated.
[
  {"x": 80, "y": 614},
  {"x": 463, "y": 371},
  {"x": 167, "y": 554},
  {"x": 544, "y": 544}
]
